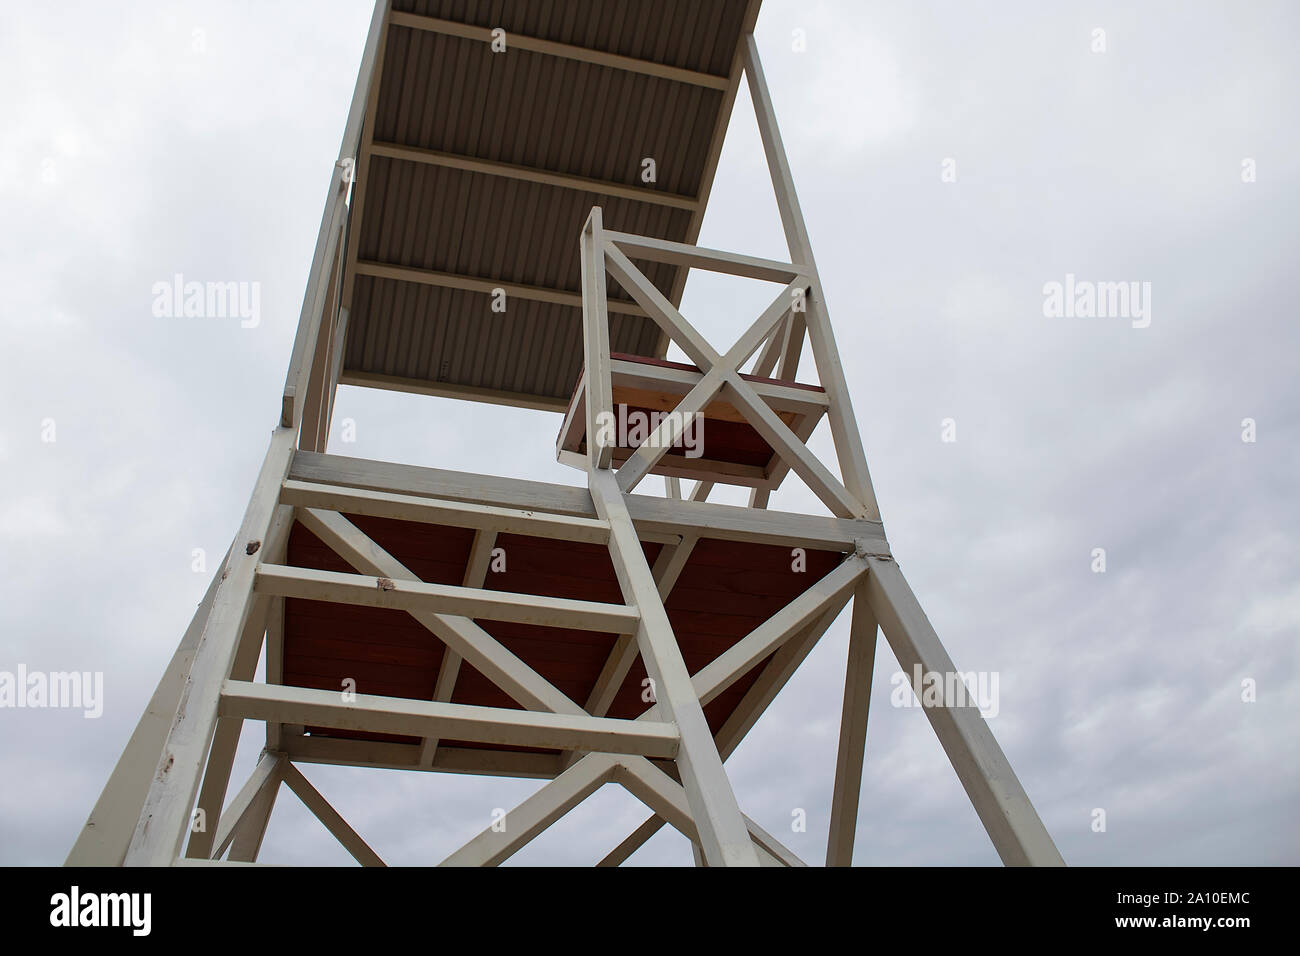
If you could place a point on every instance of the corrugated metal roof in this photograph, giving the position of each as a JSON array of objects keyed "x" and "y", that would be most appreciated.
[{"x": 536, "y": 111}]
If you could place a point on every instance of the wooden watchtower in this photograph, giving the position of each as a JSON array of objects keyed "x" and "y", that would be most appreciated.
[{"x": 495, "y": 152}]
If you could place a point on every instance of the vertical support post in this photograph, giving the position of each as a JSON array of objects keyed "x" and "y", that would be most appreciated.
[
  {"x": 225, "y": 740},
  {"x": 723, "y": 835},
  {"x": 247, "y": 840},
  {"x": 334, "y": 222},
  {"x": 275, "y": 731},
  {"x": 165, "y": 816},
  {"x": 243, "y": 824},
  {"x": 480, "y": 560},
  {"x": 595, "y": 337},
  {"x": 844, "y": 426},
  {"x": 323, "y": 379},
  {"x": 358, "y": 141},
  {"x": 1001, "y": 802},
  {"x": 853, "y": 731},
  {"x": 107, "y": 834}
]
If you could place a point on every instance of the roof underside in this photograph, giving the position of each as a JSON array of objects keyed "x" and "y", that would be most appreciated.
[{"x": 448, "y": 204}]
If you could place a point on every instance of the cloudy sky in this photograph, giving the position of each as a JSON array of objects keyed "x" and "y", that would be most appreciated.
[{"x": 952, "y": 160}]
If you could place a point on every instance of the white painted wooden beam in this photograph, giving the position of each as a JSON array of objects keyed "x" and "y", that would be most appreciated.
[
  {"x": 823, "y": 595},
  {"x": 406, "y": 595},
  {"x": 484, "y": 652},
  {"x": 333, "y": 223},
  {"x": 501, "y": 840},
  {"x": 713, "y": 803},
  {"x": 756, "y": 700},
  {"x": 656, "y": 305},
  {"x": 657, "y": 790},
  {"x": 165, "y": 817},
  {"x": 651, "y": 514},
  {"x": 595, "y": 340},
  {"x": 333, "y": 820},
  {"x": 673, "y": 425},
  {"x": 652, "y": 249},
  {"x": 107, "y": 833},
  {"x": 476, "y": 569},
  {"x": 384, "y": 755},
  {"x": 1001, "y": 802},
  {"x": 843, "y": 423},
  {"x": 853, "y": 731},
  {"x": 246, "y": 817},
  {"x": 458, "y": 514},
  {"x": 793, "y": 451},
  {"x": 420, "y": 718}
]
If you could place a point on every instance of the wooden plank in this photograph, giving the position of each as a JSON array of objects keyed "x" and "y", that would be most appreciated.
[
  {"x": 247, "y": 814},
  {"x": 336, "y": 371},
  {"x": 313, "y": 430},
  {"x": 420, "y": 718},
  {"x": 651, "y": 249},
  {"x": 667, "y": 798},
  {"x": 713, "y": 803},
  {"x": 407, "y": 595},
  {"x": 466, "y": 638},
  {"x": 657, "y": 306},
  {"x": 480, "y": 559},
  {"x": 651, "y": 515},
  {"x": 794, "y": 452},
  {"x": 694, "y": 403},
  {"x": 844, "y": 428},
  {"x": 756, "y": 700},
  {"x": 853, "y": 732},
  {"x": 595, "y": 340},
  {"x": 333, "y": 222},
  {"x": 338, "y": 751},
  {"x": 582, "y": 54},
  {"x": 361, "y": 169},
  {"x": 225, "y": 740},
  {"x": 458, "y": 514}
]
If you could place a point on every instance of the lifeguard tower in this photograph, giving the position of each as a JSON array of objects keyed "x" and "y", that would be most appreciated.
[{"x": 496, "y": 152}]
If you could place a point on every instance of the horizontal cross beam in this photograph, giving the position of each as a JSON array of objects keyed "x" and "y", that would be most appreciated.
[
  {"x": 311, "y": 584},
  {"x": 420, "y": 718},
  {"x": 651, "y": 515},
  {"x": 458, "y": 514}
]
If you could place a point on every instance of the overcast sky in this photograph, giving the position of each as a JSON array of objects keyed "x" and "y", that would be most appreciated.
[{"x": 144, "y": 139}]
